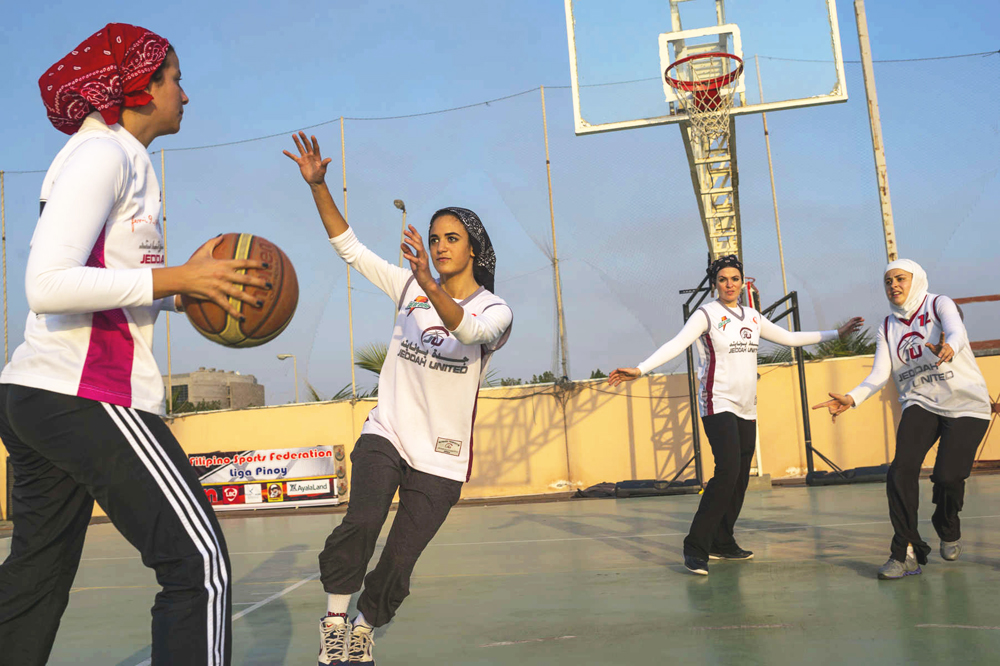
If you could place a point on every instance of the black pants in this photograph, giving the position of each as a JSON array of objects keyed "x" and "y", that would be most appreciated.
[
  {"x": 917, "y": 432},
  {"x": 733, "y": 441},
  {"x": 424, "y": 502},
  {"x": 67, "y": 452}
]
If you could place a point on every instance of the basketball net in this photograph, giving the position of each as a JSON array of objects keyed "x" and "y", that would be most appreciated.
[{"x": 705, "y": 84}]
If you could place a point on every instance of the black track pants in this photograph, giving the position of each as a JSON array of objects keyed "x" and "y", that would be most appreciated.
[
  {"x": 67, "y": 452},
  {"x": 424, "y": 502},
  {"x": 733, "y": 441},
  {"x": 917, "y": 432}
]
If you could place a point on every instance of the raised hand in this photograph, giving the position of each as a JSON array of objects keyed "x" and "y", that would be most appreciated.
[
  {"x": 414, "y": 252},
  {"x": 837, "y": 406},
  {"x": 620, "y": 375},
  {"x": 217, "y": 280},
  {"x": 942, "y": 350},
  {"x": 853, "y": 325},
  {"x": 311, "y": 163}
]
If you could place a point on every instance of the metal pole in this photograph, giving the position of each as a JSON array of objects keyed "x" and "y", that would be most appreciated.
[
  {"x": 402, "y": 238},
  {"x": 163, "y": 202},
  {"x": 806, "y": 430},
  {"x": 350, "y": 309},
  {"x": 774, "y": 192},
  {"x": 564, "y": 351},
  {"x": 295, "y": 373},
  {"x": 878, "y": 146},
  {"x": 3, "y": 223},
  {"x": 693, "y": 393}
]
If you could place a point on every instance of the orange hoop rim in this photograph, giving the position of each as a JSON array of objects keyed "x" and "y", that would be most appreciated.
[{"x": 711, "y": 85}]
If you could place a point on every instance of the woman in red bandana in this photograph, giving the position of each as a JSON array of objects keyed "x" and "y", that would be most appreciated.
[{"x": 81, "y": 398}]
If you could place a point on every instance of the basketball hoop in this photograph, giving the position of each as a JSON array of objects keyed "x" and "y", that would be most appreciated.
[{"x": 710, "y": 80}]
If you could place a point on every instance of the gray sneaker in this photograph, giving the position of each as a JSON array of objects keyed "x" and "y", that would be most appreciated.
[
  {"x": 894, "y": 569},
  {"x": 950, "y": 550}
]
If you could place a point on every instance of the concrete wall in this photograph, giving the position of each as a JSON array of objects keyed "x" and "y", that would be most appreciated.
[{"x": 534, "y": 439}]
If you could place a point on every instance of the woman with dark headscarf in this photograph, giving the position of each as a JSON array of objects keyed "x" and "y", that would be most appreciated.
[
  {"x": 418, "y": 439},
  {"x": 942, "y": 402},
  {"x": 727, "y": 335},
  {"x": 81, "y": 398}
]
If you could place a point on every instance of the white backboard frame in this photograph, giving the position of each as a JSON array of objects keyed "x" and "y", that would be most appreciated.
[{"x": 837, "y": 95}]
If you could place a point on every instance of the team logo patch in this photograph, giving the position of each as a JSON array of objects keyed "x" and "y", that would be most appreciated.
[
  {"x": 725, "y": 321},
  {"x": 910, "y": 347},
  {"x": 420, "y": 302},
  {"x": 746, "y": 333},
  {"x": 434, "y": 336},
  {"x": 451, "y": 447}
]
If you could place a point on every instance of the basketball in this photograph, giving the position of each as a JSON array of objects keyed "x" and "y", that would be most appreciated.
[{"x": 261, "y": 324}]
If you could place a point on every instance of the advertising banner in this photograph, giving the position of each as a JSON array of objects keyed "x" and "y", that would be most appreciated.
[{"x": 272, "y": 478}]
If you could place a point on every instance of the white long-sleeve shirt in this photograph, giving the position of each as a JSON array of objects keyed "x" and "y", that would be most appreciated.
[
  {"x": 727, "y": 342},
  {"x": 89, "y": 280},
  {"x": 955, "y": 389},
  {"x": 429, "y": 383}
]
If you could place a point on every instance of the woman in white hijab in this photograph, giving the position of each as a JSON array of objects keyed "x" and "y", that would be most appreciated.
[{"x": 924, "y": 346}]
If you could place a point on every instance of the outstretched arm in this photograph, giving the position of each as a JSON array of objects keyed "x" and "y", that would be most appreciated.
[
  {"x": 876, "y": 379},
  {"x": 390, "y": 279},
  {"x": 773, "y": 333},
  {"x": 696, "y": 325}
]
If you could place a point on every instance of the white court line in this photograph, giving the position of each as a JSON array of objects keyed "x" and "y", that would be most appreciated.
[
  {"x": 530, "y": 640},
  {"x": 742, "y": 627},
  {"x": 954, "y": 626},
  {"x": 607, "y": 537},
  {"x": 263, "y": 602}
]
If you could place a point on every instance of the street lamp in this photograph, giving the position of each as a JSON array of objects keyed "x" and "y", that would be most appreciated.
[
  {"x": 398, "y": 203},
  {"x": 295, "y": 370}
]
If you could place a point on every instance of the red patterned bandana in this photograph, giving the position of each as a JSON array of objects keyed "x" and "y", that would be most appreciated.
[{"x": 109, "y": 70}]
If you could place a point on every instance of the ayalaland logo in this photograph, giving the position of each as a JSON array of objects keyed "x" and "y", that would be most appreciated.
[
  {"x": 420, "y": 302},
  {"x": 910, "y": 347},
  {"x": 434, "y": 336}
]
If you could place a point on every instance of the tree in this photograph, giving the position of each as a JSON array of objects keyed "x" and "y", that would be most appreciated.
[
  {"x": 597, "y": 374},
  {"x": 546, "y": 377},
  {"x": 510, "y": 381}
]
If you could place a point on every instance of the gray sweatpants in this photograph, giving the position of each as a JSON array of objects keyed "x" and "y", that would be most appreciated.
[{"x": 377, "y": 473}]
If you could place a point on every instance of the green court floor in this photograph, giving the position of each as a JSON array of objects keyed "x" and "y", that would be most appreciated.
[{"x": 595, "y": 582}]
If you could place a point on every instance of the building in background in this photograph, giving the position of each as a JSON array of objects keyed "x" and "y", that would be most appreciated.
[{"x": 205, "y": 386}]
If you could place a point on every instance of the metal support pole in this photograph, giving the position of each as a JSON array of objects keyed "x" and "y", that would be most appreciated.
[
  {"x": 774, "y": 192},
  {"x": 800, "y": 361},
  {"x": 693, "y": 393},
  {"x": 3, "y": 223},
  {"x": 295, "y": 374},
  {"x": 163, "y": 203},
  {"x": 350, "y": 309},
  {"x": 878, "y": 146},
  {"x": 563, "y": 348}
]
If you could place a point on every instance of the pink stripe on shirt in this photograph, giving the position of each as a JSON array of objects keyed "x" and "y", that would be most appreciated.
[{"x": 107, "y": 371}]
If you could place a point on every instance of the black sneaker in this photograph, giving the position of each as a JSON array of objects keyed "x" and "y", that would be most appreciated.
[
  {"x": 696, "y": 565},
  {"x": 738, "y": 554}
]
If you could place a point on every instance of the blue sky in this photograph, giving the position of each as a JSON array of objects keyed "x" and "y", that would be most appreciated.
[{"x": 628, "y": 229}]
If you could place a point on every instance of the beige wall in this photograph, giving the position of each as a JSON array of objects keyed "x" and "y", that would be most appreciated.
[{"x": 533, "y": 445}]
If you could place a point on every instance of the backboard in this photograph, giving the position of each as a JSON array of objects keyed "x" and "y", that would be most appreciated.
[{"x": 619, "y": 50}]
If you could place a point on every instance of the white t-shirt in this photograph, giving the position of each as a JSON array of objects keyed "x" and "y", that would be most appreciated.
[
  {"x": 429, "y": 384},
  {"x": 955, "y": 389},
  {"x": 727, "y": 343},
  {"x": 89, "y": 278}
]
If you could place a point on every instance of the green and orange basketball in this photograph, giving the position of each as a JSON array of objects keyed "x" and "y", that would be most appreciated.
[{"x": 260, "y": 324}]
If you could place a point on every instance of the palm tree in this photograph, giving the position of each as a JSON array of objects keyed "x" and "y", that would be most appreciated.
[{"x": 856, "y": 344}]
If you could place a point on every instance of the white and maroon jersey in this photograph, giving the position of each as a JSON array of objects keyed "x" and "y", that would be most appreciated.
[
  {"x": 727, "y": 341},
  {"x": 429, "y": 384},
  {"x": 89, "y": 277},
  {"x": 955, "y": 389}
]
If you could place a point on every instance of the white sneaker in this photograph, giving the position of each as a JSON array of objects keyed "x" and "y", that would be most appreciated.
[
  {"x": 362, "y": 643},
  {"x": 334, "y": 639}
]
